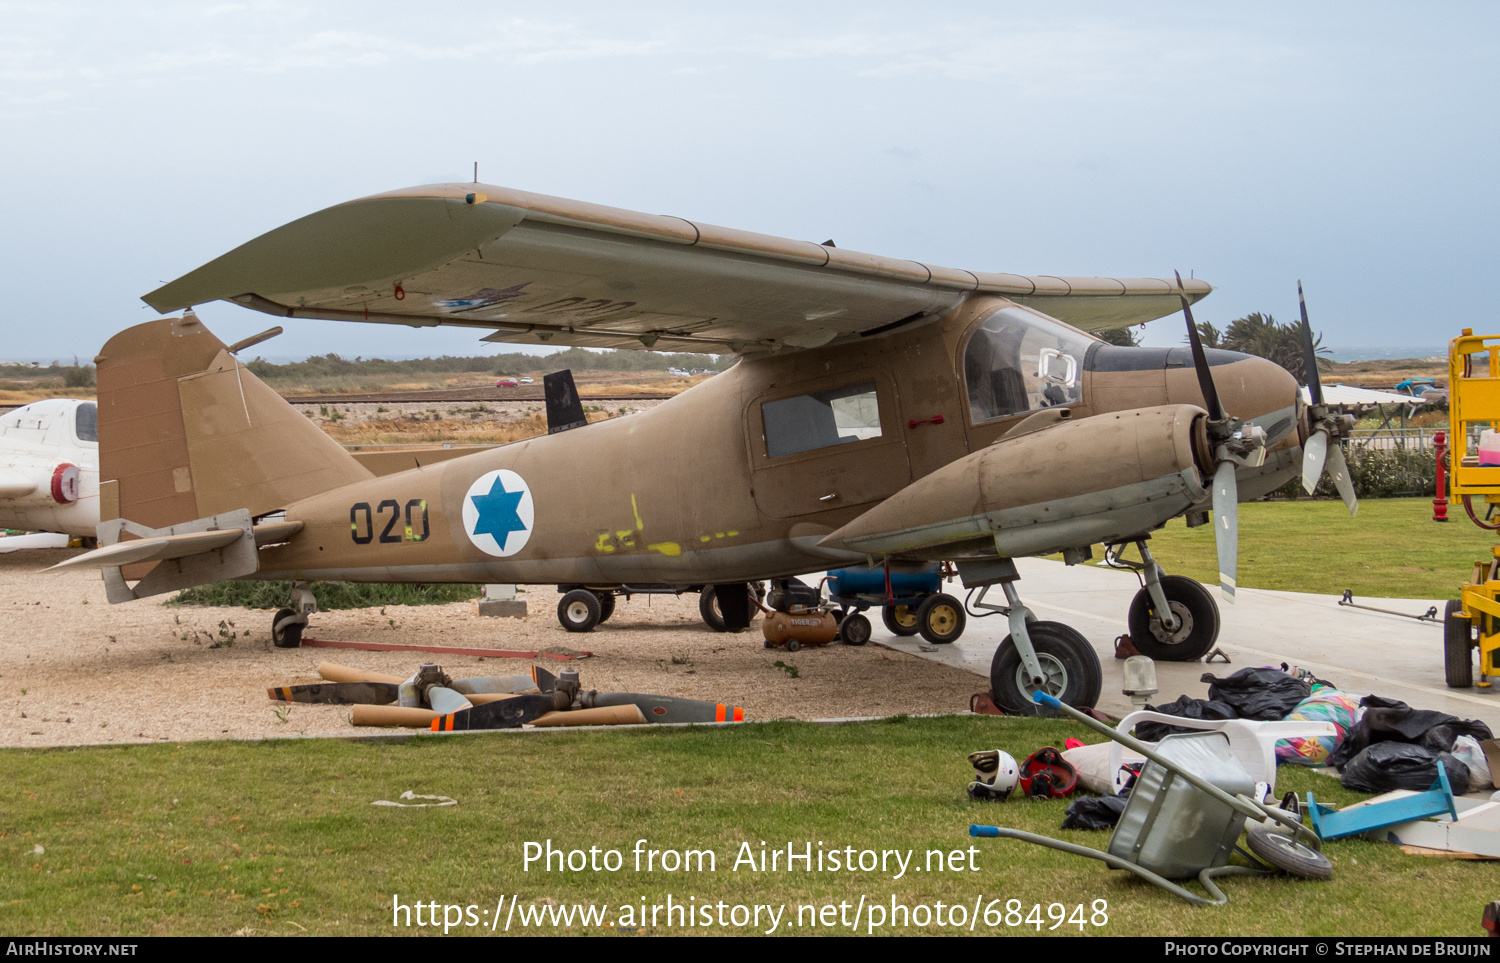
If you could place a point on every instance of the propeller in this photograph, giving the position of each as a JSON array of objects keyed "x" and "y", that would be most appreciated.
[
  {"x": 656, "y": 708},
  {"x": 1317, "y": 453},
  {"x": 1235, "y": 444}
]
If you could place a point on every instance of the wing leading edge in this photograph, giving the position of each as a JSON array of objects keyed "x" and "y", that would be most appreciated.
[{"x": 545, "y": 270}]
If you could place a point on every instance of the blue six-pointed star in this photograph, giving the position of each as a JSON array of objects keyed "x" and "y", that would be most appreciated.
[{"x": 497, "y": 513}]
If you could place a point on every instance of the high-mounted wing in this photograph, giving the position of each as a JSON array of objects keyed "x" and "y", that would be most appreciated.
[{"x": 544, "y": 270}]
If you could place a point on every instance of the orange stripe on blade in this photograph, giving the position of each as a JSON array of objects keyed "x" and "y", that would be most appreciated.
[
  {"x": 719, "y": 713},
  {"x": 739, "y": 714}
]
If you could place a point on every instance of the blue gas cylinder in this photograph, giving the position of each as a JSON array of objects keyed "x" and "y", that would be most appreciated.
[{"x": 906, "y": 582}]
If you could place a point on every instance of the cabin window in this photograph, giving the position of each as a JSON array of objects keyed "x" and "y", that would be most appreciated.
[
  {"x": 86, "y": 422},
  {"x": 1018, "y": 361},
  {"x": 823, "y": 419}
]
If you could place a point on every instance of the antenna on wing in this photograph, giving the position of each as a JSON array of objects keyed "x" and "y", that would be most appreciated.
[{"x": 476, "y": 172}]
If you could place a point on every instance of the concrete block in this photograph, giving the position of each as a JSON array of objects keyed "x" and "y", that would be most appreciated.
[{"x": 503, "y": 608}]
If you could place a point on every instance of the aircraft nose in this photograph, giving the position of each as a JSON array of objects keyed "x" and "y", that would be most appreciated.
[{"x": 1253, "y": 389}]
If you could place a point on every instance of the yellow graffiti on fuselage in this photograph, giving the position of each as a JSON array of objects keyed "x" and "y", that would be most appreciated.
[{"x": 625, "y": 538}]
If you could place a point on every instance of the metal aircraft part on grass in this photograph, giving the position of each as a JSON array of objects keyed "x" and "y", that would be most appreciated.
[
  {"x": 882, "y": 412},
  {"x": 49, "y": 467}
]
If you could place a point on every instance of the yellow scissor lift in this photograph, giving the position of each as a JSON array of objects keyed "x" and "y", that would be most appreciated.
[{"x": 1473, "y": 398}]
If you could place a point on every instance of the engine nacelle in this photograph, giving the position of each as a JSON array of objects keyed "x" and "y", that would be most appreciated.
[
  {"x": 26, "y": 485},
  {"x": 1033, "y": 492}
]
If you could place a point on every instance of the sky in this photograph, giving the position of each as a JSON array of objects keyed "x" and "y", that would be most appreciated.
[{"x": 1352, "y": 146}]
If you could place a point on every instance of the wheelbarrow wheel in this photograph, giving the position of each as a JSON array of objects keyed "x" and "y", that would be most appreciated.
[
  {"x": 1458, "y": 647},
  {"x": 1288, "y": 854},
  {"x": 1071, "y": 668}
]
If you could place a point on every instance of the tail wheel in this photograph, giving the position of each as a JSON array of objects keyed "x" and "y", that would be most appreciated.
[
  {"x": 900, "y": 619},
  {"x": 578, "y": 611},
  {"x": 286, "y": 629},
  {"x": 1458, "y": 647},
  {"x": 941, "y": 619}
]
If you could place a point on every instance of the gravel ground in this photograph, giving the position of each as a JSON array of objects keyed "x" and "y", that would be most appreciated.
[{"x": 74, "y": 669}]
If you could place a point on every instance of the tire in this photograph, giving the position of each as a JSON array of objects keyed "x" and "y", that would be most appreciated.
[
  {"x": 1287, "y": 854},
  {"x": 941, "y": 619},
  {"x": 1075, "y": 676},
  {"x": 709, "y": 609},
  {"x": 901, "y": 620},
  {"x": 1195, "y": 636},
  {"x": 578, "y": 611},
  {"x": 1458, "y": 647},
  {"x": 854, "y": 629},
  {"x": 606, "y": 606},
  {"x": 792, "y": 645},
  {"x": 290, "y": 635}
]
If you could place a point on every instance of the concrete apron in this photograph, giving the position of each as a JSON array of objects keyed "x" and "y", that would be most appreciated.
[{"x": 1359, "y": 651}]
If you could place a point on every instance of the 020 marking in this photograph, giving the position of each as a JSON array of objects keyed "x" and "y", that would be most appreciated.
[{"x": 362, "y": 521}]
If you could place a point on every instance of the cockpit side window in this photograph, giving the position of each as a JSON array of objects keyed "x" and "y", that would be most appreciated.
[
  {"x": 86, "y": 423},
  {"x": 1018, "y": 361},
  {"x": 837, "y": 416}
]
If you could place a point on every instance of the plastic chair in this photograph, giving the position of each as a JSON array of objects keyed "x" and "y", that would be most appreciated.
[{"x": 1252, "y": 743}]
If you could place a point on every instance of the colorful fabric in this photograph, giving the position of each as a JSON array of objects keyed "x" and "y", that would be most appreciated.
[{"x": 1326, "y": 704}]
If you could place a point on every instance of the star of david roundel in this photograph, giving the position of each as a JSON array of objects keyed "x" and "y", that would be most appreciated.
[{"x": 498, "y": 512}]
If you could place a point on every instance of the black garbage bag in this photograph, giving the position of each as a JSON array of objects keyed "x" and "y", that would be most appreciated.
[
  {"x": 1265, "y": 694},
  {"x": 1402, "y": 765},
  {"x": 1094, "y": 812},
  {"x": 1186, "y": 708},
  {"x": 1389, "y": 720}
]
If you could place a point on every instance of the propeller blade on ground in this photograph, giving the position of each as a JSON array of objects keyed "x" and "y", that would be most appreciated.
[
  {"x": 337, "y": 693},
  {"x": 1310, "y": 356},
  {"x": 1313, "y": 456},
  {"x": 493, "y": 683},
  {"x": 542, "y": 679},
  {"x": 1227, "y": 526},
  {"x": 504, "y": 714},
  {"x": 670, "y": 709},
  {"x": 1200, "y": 361},
  {"x": 445, "y": 700},
  {"x": 1341, "y": 480}
]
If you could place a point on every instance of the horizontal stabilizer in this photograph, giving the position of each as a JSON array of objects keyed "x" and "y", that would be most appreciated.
[{"x": 151, "y": 549}]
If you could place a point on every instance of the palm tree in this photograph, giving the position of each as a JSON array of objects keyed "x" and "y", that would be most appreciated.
[{"x": 1263, "y": 337}]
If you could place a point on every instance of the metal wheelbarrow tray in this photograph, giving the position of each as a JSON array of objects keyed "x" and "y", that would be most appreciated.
[{"x": 1185, "y": 816}]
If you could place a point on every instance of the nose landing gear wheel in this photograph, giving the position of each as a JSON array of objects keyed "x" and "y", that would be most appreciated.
[
  {"x": 901, "y": 620},
  {"x": 1197, "y": 622},
  {"x": 578, "y": 611},
  {"x": 1070, "y": 669},
  {"x": 941, "y": 619}
]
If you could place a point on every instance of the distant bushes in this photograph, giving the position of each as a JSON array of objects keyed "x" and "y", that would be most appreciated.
[
  {"x": 330, "y": 595},
  {"x": 1377, "y": 473}
]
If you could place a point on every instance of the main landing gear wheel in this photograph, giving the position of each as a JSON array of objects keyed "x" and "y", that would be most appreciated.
[
  {"x": 606, "y": 606},
  {"x": 708, "y": 607},
  {"x": 854, "y": 629},
  {"x": 900, "y": 619},
  {"x": 1458, "y": 647},
  {"x": 1070, "y": 666},
  {"x": 941, "y": 619},
  {"x": 579, "y": 611},
  {"x": 1197, "y": 622},
  {"x": 1287, "y": 854},
  {"x": 286, "y": 629}
]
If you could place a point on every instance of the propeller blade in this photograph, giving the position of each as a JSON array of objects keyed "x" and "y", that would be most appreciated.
[
  {"x": 1200, "y": 360},
  {"x": 1227, "y": 526},
  {"x": 504, "y": 714},
  {"x": 493, "y": 683},
  {"x": 1313, "y": 456},
  {"x": 670, "y": 709},
  {"x": 1340, "y": 470},
  {"x": 542, "y": 679},
  {"x": 1309, "y": 361},
  {"x": 337, "y": 693}
]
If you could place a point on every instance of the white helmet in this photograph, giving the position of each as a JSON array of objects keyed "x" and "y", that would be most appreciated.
[{"x": 996, "y": 775}]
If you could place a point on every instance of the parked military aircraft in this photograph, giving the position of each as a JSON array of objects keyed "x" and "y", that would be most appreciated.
[
  {"x": 49, "y": 467},
  {"x": 883, "y": 412}
]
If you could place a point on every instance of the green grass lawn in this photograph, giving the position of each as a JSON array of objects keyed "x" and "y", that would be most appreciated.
[
  {"x": 279, "y": 837},
  {"x": 1391, "y": 549}
]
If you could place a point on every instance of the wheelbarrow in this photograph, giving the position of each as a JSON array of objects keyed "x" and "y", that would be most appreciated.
[{"x": 1185, "y": 815}]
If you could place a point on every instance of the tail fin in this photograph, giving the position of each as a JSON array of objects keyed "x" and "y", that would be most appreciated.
[{"x": 185, "y": 432}]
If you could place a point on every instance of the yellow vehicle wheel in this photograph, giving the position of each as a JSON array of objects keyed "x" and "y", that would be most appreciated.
[
  {"x": 941, "y": 619},
  {"x": 1458, "y": 647},
  {"x": 900, "y": 619}
]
